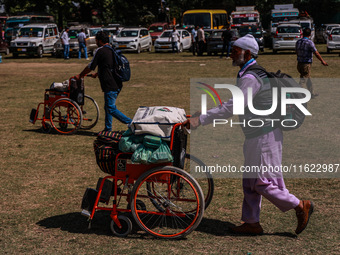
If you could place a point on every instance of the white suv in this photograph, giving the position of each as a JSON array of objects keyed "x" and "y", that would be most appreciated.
[
  {"x": 35, "y": 39},
  {"x": 286, "y": 36},
  {"x": 133, "y": 39}
]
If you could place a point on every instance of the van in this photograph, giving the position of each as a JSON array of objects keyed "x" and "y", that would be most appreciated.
[{"x": 35, "y": 39}]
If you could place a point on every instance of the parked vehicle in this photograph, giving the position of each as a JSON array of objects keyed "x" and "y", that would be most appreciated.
[
  {"x": 14, "y": 23},
  {"x": 74, "y": 45},
  {"x": 133, "y": 39},
  {"x": 112, "y": 30},
  {"x": 333, "y": 40},
  {"x": 163, "y": 44},
  {"x": 328, "y": 28},
  {"x": 255, "y": 31},
  {"x": 282, "y": 13},
  {"x": 35, "y": 39},
  {"x": 156, "y": 29},
  {"x": 286, "y": 37},
  {"x": 209, "y": 19},
  {"x": 244, "y": 16},
  {"x": 305, "y": 22},
  {"x": 215, "y": 42}
]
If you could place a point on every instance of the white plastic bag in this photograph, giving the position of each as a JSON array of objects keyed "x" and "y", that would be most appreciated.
[{"x": 157, "y": 120}]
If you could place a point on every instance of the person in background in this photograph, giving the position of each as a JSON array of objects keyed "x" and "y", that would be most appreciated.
[
  {"x": 110, "y": 84},
  {"x": 201, "y": 40},
  {"x": 304, "y": 51},
  {"x": 66, "y": 44},
  {"x": 262, "y": 145},
  {"x": 174, "y": 40},
  {"x": 227, "y": 35},
  {"x": 82, "y": 44},
  {"x": 194, "y": 40}
]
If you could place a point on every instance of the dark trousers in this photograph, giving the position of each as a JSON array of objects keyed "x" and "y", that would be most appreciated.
[
  {"x": 194, "y": 48},
  {"x": 226, "y": 44},
  {"x": 200, "y": 48}
]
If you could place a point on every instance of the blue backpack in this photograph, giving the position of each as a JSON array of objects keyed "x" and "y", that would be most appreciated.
[{"x": 122, "y": 67}]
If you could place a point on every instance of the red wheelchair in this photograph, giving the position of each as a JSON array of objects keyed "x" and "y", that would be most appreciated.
[
  {"x": 67, "y": 109},
  {"x": 163, "y": 199}
]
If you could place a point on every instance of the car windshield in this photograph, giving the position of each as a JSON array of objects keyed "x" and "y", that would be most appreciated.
[
  {"x": 217, "y": 33},
  {"x": 73, "y": 33},
  {"x": 197, "y": 19},
  {"x": 330, "y": 27},
  {"x": 166, "y": 34},
  {"x": 336, "y": 31},
  {"x": 94, "y": 31},
  {"x": 254, "y": 31},
  {"x": 243, "y": 20},
  {"x": 128, "y": 33},
  {"x": 280, "y": 19},
  {"x": 111, "y": 31},
  {"x": 156, "y": 29},
  {"x": 288, "y": 30},
  {"x": 31, "y": 32}
]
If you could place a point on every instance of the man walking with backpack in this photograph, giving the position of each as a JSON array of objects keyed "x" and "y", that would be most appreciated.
[
  {"x": 111, "y": 84},
  {"x": 262, "y": 146},
  {"x": 304, "y": 51}
]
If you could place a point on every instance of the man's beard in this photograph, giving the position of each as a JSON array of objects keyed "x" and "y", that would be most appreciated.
[{"x": 240, "y": 61}]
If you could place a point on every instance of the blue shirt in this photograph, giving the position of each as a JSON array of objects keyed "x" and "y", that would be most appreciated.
[{"x": 304, "y": 50}]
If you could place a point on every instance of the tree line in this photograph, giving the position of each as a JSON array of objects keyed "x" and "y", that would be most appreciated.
[{"x": 144, "y": 12}]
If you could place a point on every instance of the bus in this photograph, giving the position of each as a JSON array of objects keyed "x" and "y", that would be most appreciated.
[
  {"x": 209, "y": 19},
  {"x": 245, "y": 15},
  {"x": 14, "y": 23},
  {"x": 282, "y": 13}
]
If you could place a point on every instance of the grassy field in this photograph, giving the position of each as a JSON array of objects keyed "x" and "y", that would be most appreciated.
[{"x": 44, "y": 176}]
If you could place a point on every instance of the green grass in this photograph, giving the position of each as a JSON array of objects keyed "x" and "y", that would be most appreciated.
[{"x": 44, "y": 176}]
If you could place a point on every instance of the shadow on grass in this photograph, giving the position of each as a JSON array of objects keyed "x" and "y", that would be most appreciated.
[
  {"x": 53, "y": 132},
  {"x": 221, "y": 228},
  {"x": 100, "y": 225}
]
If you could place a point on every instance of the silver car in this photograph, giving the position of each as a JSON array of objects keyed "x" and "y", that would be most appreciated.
[
  {"x": 333, "y": 40},
  {"x": 286, "y": 37}
]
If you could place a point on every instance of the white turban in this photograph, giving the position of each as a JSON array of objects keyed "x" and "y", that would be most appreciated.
[{"x": 247, "y": 42}]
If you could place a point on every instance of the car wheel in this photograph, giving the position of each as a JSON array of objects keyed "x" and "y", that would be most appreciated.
[
  {"x": 209, "y": 53},
  {"x": 54, "y": 52},
  {"x": 328, "y": 50},
  {"x": 40, "y": 52},
  {"x": 15, "y": 55},
  {"x": 275, "y": 51},
  {"x": 139, "y": 49}
]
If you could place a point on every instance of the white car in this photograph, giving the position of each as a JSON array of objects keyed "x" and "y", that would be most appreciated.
[
  {"x": 133, "y": 39},
  {"x": 333, "y": 40},
  {"x": 35, "y": 39},
  {"x": 286, "y": 36},
  {"x": 163, "y": 44},
  {"x": 328, "y": 29}
]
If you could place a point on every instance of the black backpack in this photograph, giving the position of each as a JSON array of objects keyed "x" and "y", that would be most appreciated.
[
  {"x": 122, "y": 66},
  {"x": 294, "y": 116}
]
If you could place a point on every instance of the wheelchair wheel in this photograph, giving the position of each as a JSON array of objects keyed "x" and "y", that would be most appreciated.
[
  {"x": 65, "y": 116},
  {"x": 90, "y": 112},
  {"x": 205, "y": 180},
  {"x": 179, "y": 200},
  {"x": 126, "y": 226}
]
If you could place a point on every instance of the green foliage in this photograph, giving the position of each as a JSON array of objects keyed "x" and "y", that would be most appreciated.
[{"x": 138, "y": 12}]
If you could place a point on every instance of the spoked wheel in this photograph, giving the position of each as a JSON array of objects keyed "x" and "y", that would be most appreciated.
[
  {"x": 65, "y": 116},
  {"x": 90, "y": 112},
  {"x": 205, "y": 180},
  {"x": 178, "y": 198},
  {"x": 125, "y": 229}
]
